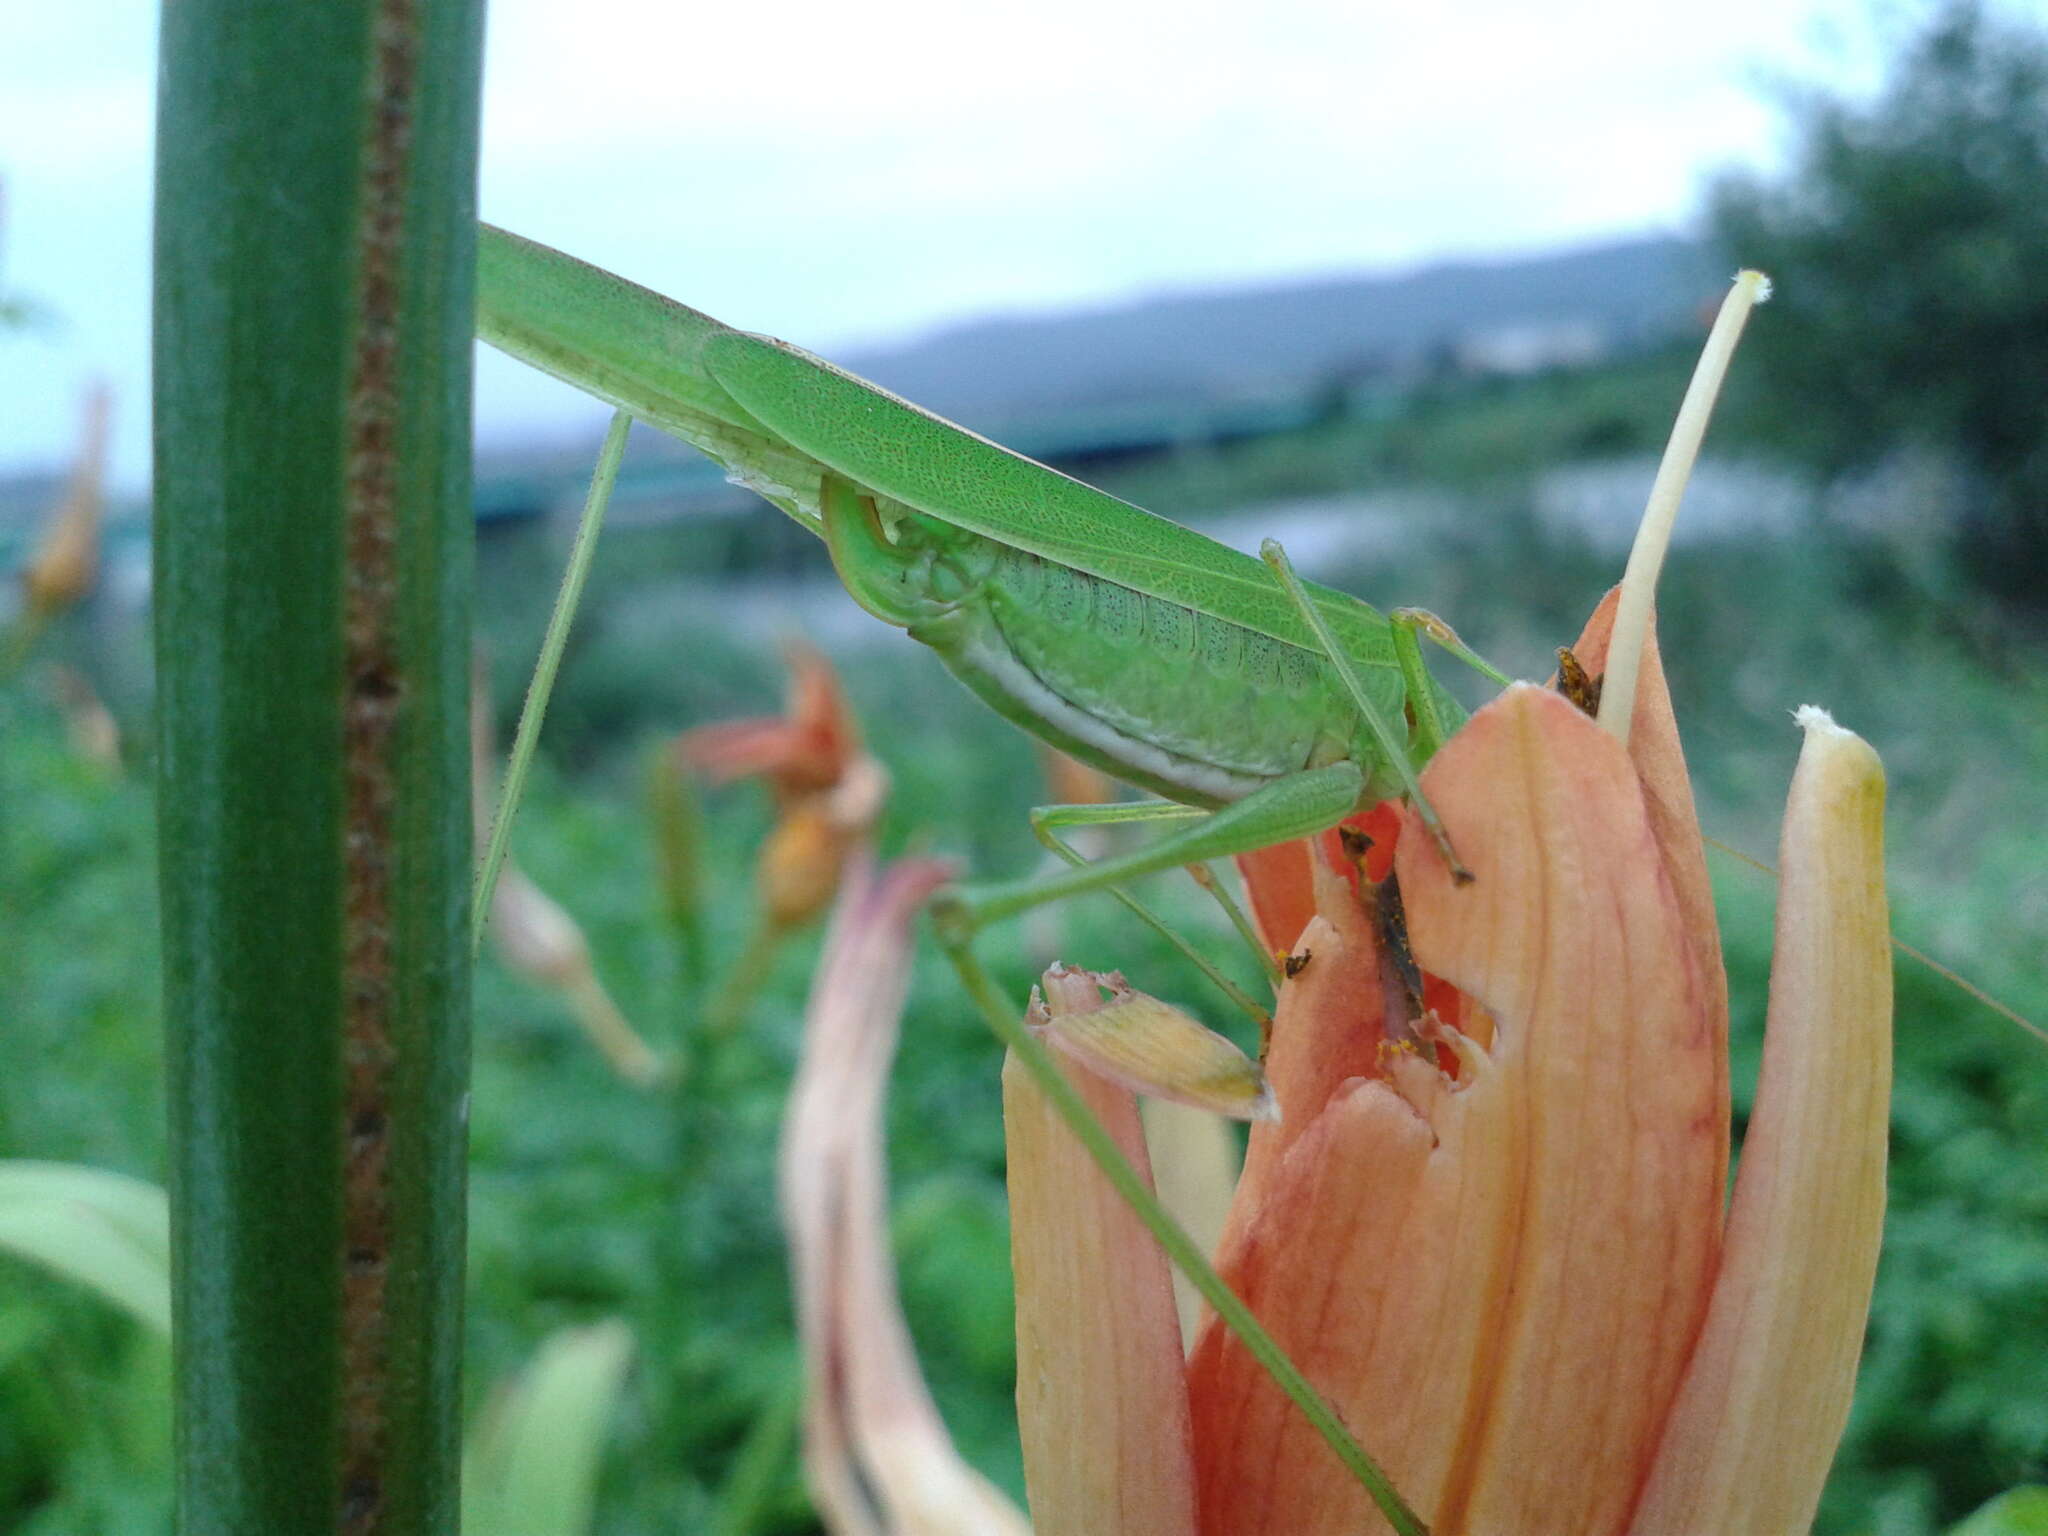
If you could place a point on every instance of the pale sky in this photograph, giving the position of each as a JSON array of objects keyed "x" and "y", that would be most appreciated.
[{"x": 843, "y": 175}]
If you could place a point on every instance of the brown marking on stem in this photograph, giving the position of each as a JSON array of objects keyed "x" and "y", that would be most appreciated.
[{"x": 373, "y": 720}]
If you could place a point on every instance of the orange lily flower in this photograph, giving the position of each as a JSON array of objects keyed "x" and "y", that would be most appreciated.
[
  {"x": 66, "y": 561},
  {"x": 1509, "y": 1275},
  {"x": 803, "y": 751},
  {"x": 828, "y": 791}
]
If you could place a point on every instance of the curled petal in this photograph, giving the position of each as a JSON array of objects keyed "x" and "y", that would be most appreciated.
[
  {"x": 876, "y": 1454},
  {"x": 1575, "y": 939},
  {"x": 1768, "y": 1389},
  {"x": 804, "y": 751},
  {"x": 1148, "y": 1046}
]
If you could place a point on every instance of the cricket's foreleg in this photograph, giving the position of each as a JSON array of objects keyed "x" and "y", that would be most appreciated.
[
  {"x": 1048, "y": 821},
  {"x": 1392, "y": 747},
  {"x": 1298, "y": 805},
  {"x": 1410, "y": 627},
  {"x": 1420, "y": 621}
]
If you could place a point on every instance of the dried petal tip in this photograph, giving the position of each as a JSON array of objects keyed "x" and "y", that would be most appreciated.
[{"x": 1148, "y": 1046}]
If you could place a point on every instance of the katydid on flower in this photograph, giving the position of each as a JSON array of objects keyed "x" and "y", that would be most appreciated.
[
  {"x": 1265, "y": 708},
  {"x": 1218, "y": 681}
]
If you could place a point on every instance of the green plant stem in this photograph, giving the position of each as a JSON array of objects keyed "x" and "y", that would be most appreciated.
[
  {"x": 553, "y": 643},
  {"x": 315, "y": 294},
  {"x": 1180, "y": 1248}
]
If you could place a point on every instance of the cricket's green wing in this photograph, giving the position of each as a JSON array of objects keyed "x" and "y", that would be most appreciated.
[
  {"x": 926, "y": 462},
  {"x": 632, "y": 347},
  {"x": 775, "y": 417}
]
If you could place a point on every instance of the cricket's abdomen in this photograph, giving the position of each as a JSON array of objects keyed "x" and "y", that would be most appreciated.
[{"x": 1184, "y": 704}]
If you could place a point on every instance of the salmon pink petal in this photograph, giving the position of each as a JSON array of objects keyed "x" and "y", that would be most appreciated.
[
  {"x": 804, "y": 751},
  {"x": 1327, "y": 1030},
  {"x": 1768, "y": 1390},
  {"x": 1654, "y": 748},
  {"x": 767, "y": 746},
  {"x": 876, "y": 1454},
  {"x": 1278, "y": 891},
  {"x": 1278, "y": 881},
  {"x": 1195, "y": 1163},
  {"x": 1101, "y": 1404},
  {"x": 1496, "y": 1279}
]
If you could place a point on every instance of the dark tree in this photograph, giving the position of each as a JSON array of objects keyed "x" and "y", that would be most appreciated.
[{"x": 1910, "y": 247}]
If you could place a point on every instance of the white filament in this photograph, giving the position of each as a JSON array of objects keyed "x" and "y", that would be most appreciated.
[{"x": 1653, "y": 535}]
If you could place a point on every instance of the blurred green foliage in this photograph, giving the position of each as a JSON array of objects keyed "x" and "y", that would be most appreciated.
[
  {"x": 1909, "y": 243},
  {"x": 592, "y": 1199}
]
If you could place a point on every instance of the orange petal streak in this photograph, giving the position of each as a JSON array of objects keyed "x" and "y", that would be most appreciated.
[{"x": 1101, "y": 1404}]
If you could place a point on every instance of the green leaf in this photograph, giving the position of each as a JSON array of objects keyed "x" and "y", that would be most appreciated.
[
  {"x": 104, "y": 1230},
  {"x": 531, "y": 1467},
  {"x": 2016, "y": 1512}
]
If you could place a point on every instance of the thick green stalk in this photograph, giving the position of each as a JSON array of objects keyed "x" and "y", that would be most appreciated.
[{"x": 315, "y": 276}]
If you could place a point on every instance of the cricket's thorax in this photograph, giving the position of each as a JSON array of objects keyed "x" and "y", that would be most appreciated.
[{"x": 1177, "y": 701}]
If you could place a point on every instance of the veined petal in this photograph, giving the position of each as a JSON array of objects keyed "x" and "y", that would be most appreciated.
[
  {"x": 1497, "y": 1281},
  {"x": 1768, "y": 1389},
  {"x": 1575, "y": 939},
  {"x": 1345, "y": 1261},
  {"x": 876, "y": 1454},
  {"x": 1101, "y": 1404},
  {"x": 1674, "y": 821}
]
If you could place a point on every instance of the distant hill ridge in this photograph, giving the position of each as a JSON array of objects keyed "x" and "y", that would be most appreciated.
[{"x": 1202, "y": 347}]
